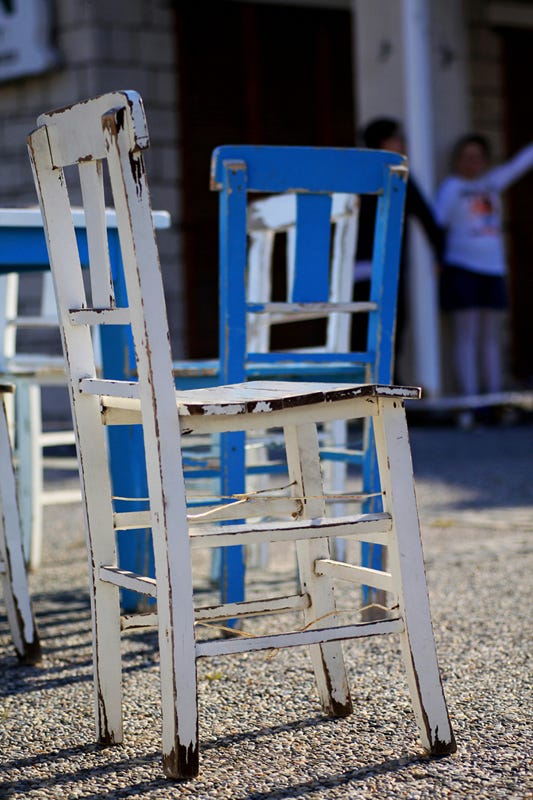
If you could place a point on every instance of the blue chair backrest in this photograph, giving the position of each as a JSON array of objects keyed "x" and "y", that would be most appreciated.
[{"x": 313, "y": 174}]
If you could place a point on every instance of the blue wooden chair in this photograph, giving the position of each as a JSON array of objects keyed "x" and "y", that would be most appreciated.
[{"x": 240, "y": 173}]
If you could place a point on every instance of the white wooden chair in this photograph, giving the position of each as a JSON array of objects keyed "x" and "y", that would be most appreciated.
[
  {"x": 277, "y": 215},
  {"x": 112, "y": 130},
  {"x": 31, "y": 372},
  {"x": 12, "y": 566}
]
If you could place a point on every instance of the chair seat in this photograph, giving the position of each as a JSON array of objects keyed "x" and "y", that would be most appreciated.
[
  {"x": 252, "y": 397},
  {"x": 256, "y": 397}
]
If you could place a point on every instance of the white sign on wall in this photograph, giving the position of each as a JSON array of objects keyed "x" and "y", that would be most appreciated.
[{"x": 25, "y": 32}]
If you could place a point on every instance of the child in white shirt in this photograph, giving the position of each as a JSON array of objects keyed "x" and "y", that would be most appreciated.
[{"x": 473, "y": 287}]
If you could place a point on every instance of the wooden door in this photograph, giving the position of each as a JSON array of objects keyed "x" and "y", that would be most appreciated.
[
  {"x": 518, "y": 61},
  {"x": 250, "y": 74}
]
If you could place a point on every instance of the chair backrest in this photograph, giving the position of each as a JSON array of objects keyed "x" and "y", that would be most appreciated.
[
  {"x": 277, "y": 215},
  {"x": 104, "y": 139},
  {"x": 313, "y": 175}
]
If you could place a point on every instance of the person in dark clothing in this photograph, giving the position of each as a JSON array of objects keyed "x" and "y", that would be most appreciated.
[{"x": 387, "y": 134}]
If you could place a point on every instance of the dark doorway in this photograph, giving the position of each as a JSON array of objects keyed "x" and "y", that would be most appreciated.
[
  {"x": 251, "y": 74},
  {"x": 518, "y": 67}
]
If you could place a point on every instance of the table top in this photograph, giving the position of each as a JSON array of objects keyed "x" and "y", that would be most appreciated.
[{"x": 30, "y": 217}]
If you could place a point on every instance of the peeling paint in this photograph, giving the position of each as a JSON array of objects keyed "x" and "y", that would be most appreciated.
[
  {"x": 337, "y": 709},
  {"x": 262, "y": 407},
  {"x": 181, "y": 762}
]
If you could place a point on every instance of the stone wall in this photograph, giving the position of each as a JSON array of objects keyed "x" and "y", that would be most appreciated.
[{"x": 103, "y": 45}]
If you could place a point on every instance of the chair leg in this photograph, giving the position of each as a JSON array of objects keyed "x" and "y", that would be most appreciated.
[
  {"x": 105, "y": 599},
  {"x": 406, "y": 563},
  {"x": 328, "y": 661},
  {"x": 178, "y": 690},
  {"x": 30, "y": 469},
  {"x": 107, "y": 667},
  {"x": 13, "y": 570},
  {"x": 177, "y": 643}
]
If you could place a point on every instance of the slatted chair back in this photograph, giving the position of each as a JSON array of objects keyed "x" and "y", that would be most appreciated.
[
  {"x": 313, "y": 175},
  {"x": 111, "y": 130}
]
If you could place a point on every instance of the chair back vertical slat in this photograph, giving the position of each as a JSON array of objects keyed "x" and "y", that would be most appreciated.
[
  {"x": 312, "y": 255},
  {"x": 92, "y": 189},
  {"x": 259, "y": 281},
  {"x": 341, "y": 282},
  {"x": 291, "y": 258},
  {"x": 233, "y": 256},
  {"x": 385, "y": 270}
]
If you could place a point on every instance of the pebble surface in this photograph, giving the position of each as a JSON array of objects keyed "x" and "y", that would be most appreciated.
[{"x": 262, "y": 732}]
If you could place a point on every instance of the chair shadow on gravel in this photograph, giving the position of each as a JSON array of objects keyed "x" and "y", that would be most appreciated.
[
  {"x": 67, "y": 780},
  {"x": 108, "y": 771},
  {"x": 64, "y": 622},
  {"x": 339, "y": 779}
]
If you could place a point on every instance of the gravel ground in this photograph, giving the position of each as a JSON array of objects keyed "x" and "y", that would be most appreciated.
[{"x": 262, "y": 732}]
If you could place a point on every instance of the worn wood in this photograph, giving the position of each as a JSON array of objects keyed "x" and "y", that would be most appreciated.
[
  {"x": 327, "y": 637},
  {"x": 12, "y": 567},
  {"x": 406, "y": 564}
]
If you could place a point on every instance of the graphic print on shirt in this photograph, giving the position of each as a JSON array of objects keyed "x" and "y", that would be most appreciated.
[{"x": 481, "y": 212}]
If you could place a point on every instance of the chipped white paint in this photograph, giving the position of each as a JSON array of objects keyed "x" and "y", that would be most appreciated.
[
  {"x": 262, "y": 407},
  {"x": 12, "y": 567},
  {"x": 406, "y": 565},
  {"x": 118, "y": 135},
  {"x": 327, "y": 637}
]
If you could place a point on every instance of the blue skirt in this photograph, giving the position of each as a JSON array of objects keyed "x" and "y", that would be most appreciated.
[{"x": 462, "y": 288}]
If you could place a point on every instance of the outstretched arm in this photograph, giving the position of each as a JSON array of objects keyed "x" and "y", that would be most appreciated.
[
  {"x": 506, "y": 174},
  {"x": 417, "y": 206}
]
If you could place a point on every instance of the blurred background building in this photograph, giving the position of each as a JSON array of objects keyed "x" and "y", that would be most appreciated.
[{"x": 306, "y": 72}]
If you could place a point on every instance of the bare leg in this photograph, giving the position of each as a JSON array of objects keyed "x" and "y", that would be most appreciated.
[
  {"x": 466, "y": 333},
  {"x": 490, "y": 348}
]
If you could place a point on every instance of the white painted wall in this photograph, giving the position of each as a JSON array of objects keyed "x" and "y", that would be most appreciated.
[{"x": 378, "y": 59}]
